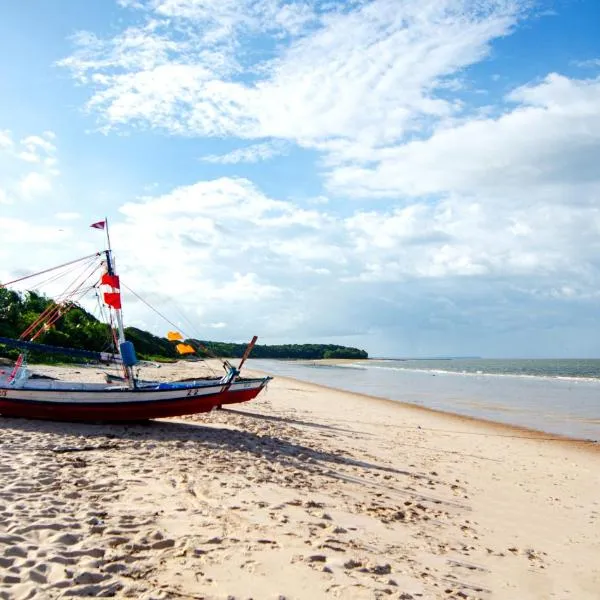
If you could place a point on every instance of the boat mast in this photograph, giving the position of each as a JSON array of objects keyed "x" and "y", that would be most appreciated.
[{"x": 110, "y": 267}]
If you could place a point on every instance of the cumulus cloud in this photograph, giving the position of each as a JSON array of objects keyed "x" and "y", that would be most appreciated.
[
  {"x": 228, "y": 253},
  {"x": 229, "y": 258},
  {"x": 550, "y": 139}
]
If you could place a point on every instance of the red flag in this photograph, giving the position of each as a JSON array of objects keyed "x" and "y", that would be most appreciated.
[
  {"x": 98, "y": 225},
  {"x": 113, "y": 299},
  {"x": 112, "y": 280}
]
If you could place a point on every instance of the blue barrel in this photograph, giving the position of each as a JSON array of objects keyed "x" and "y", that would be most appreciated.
[{"x": 128, "y": 354}]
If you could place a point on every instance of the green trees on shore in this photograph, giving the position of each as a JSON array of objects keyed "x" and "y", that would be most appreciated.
[
  {"x": 74, "y": 328},
  {"x": 77, "y": 328},
  {"x": 289, "y": 351}
]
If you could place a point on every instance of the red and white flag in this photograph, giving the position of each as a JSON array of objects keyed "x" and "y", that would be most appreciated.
[
  {"x": 112, "y": 280},
  {"x": 98, "y": 225}
]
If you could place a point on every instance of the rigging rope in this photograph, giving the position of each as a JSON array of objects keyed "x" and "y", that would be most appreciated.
[
  {"x": 53, "y": 312},
  {"x": 202, "y": 346},
  {"x": 3, "y": 285}
]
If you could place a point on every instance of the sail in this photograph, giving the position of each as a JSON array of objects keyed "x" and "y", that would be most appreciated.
[{"x": 99, "y": 356}]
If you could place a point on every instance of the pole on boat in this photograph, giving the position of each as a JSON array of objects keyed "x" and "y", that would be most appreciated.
[
  {"x": 232, "y": 371},
  {"x": 247, "y": 352},
  {"x": 110, "y": 265},
  {"x": 107, "y": 235}
]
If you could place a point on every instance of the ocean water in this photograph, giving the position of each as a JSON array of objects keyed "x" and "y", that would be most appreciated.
[{"x": 555, "y": 396}]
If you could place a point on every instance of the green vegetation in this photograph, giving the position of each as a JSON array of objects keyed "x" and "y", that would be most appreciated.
[
  {"x": 289, "y": 351},
  {"x": 77, "y": 328}
]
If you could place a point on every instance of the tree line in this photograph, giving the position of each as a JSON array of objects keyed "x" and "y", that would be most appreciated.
[{"x": 77, "y": 328}]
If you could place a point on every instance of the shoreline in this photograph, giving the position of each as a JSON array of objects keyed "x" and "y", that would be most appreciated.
[
  {"x": 213, "y": 366},
  {"x": 537, "y": 434}
]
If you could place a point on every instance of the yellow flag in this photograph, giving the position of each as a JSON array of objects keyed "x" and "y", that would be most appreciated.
[
  {"x": 174, "y": 336},
  {"x": 184, "y": 349}
]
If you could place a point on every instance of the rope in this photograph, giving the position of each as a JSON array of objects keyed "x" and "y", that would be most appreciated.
[
  {"x": 49, "y": 270},
  {"x": 202, "y": 346},
  {"x": 54, "y": 312}
]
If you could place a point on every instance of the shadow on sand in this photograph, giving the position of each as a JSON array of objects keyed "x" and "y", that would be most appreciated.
[
  {"x": 287, "y": 420},
  {"x": 82, "y": 437}
]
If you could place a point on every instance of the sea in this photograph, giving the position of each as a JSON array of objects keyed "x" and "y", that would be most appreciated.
[{"x": 556, "y": 396}]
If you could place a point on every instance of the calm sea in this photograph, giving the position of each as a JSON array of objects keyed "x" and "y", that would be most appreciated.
[{"x": 556, "y": 396}]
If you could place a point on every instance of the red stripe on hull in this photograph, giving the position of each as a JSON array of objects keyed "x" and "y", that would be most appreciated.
[{"x": 126, "y": 411}]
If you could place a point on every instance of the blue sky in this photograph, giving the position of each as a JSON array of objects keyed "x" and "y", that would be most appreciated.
[{"x": 415, "y": 178}]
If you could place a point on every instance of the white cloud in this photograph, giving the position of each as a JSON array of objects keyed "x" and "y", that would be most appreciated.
[
  {"x": 592, "y": 63},
  {"x": 17, "y": 178},
  {"x": 551, "y": 139},
  {"x": 36, "y": 149},
  {"x": 227, "y": 235},
  {"x": 370, "y": 72},
  {"x": 249, "y": 154},
  {"x": 462, "y": 237},
  {"x": 35, "y": 142},
  {"x": 222, "y": 245}
]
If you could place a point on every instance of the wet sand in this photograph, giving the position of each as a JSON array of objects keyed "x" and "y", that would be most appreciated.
[{"x": 306, "y": 492}]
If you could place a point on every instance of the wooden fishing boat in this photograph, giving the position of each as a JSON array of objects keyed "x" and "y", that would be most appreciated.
[
  {"x": 123, "y": 398},
  {"x": 70, "y": 401}
]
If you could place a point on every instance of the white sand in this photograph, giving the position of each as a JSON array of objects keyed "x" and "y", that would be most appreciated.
[{"x": 304, "y": 493}]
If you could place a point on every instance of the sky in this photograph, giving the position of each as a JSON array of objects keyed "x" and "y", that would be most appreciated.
[{"x": 415, "y": 178}]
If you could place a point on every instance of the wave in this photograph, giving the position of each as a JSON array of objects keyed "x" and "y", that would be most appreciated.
[{"x": 478, "y": 373}]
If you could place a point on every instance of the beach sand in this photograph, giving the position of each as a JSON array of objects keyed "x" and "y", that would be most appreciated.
[{"x": 306, "y": 492}]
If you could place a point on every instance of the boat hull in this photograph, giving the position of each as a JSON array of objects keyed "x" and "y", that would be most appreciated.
[{"x": 123, "y": 404}]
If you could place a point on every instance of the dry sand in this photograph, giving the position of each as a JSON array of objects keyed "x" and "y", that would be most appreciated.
[{"x": 306, "y": 493}]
